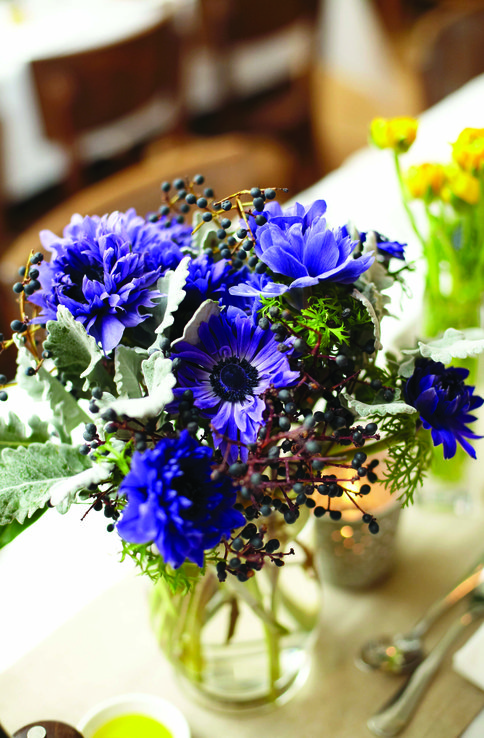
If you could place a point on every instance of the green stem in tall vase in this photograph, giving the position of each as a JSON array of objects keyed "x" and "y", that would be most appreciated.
[
  {"x": 241, "y": 643},
  {"x": 272, "y": 638},
  {"x": 405, "y": 202}
]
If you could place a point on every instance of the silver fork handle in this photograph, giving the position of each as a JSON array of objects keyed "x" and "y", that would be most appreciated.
[{"x": 396, "y": 713}]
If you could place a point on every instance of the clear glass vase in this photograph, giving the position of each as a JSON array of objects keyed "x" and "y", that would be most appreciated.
[
  {"x": 242, "y": 645},
  {"x": 451, "y": 484}
]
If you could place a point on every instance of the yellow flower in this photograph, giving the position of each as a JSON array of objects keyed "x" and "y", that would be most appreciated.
[
  {"x": 461, "y": 187},
  {"x": 426, "y": 181},
  {"x": 468, "y": 150},
  {"x": 397, "y": 134}
]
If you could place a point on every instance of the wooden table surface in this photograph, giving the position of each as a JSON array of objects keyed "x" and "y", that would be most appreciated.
[{"x": 109, "y": 649}]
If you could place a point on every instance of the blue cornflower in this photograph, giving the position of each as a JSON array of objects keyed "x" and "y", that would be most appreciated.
[
  {"x": 444, "y": 402},
  {"x": 174, "y": 503},
  {"x": 97, "y": 276},
  {"x": 299, "y": 245},
  {"x": 209, "y": 280},
  {"x": 163, "y": 243},
  {"x": 228, "y": 369}
]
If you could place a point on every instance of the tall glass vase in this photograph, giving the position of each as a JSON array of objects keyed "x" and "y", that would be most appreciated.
[
  {"x": 451, "y": 484},
  {"x": 242, "y": 644}
]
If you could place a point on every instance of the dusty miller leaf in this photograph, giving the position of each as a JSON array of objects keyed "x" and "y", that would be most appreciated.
[
  {"x": 27, "y": 474},
  {"x": 376, "y": 274},
  {"x": 74, "y": 352},
  {"x": 14, "y": 433},
  {"x": 63, "y": 492},
  {"x": 205, "y": 237},
  {"x": 13, "y": 529},
  {"x": 454, "y": 345},
  {"x": 67, "y": 413},
  {"x": 372, "y": 313},
  {"x": 127, "y": 370},
  {"x": 171, "y": 287},
  {"x": 387, "y": 408},
  {"x": 159, "y": 380},
  {"x": 33, "y": 385},
  {"x": 202, "y": 315},
  {"x": 66, "y": 410}
]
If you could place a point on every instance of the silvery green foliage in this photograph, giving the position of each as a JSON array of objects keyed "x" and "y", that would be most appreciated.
[
  {"x": 202, "y": 315},
  {"x": 14, "y": 433},
  {"x": 159, "y": 380},
  {"x": 63, "y": 493},
  {"x": 370, "y": 308},
  {"x": 33, "y": 385},
  {"x": 388, "y": 408},
  {"x": 171, "y": 287},
  {"x": 67, "y": 414},
  {"x": 454, "y": 344},
  {"x": 28, "y": 473},
  {"x": 205, "y": 237},
  {"x": 127, "y": 370},
  {"x": 75, "y": 353},
  {"x": 376, "y": 274}
]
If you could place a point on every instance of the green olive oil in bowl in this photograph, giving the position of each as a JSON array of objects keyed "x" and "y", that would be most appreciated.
[{"x": 133, "y": 726}]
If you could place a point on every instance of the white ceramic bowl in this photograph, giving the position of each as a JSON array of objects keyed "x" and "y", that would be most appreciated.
[{"x": 141, "y": 704}]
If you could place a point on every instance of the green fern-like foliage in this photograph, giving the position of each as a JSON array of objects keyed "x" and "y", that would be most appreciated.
[
  {"x": 408, "y": 456},
  {"x": 323, "y": 320},
  {"x": 149, "y": 561}
]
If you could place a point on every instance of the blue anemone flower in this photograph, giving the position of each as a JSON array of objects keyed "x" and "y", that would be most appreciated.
[
  {"x": 231, "y": 365},
  {"x": 385, "y": 247},
  {"x": 98, "y": 276},
  {"x": 444, "y": 402},
  {"x": 174, "y": 503},
  {"x": 299, "y": 245},
  {"x": 252, "y": 286}
]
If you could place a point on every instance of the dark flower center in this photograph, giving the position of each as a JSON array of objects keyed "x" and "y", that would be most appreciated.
[
  {"x": 93, "y": 272},
  {"x": 452, "y": 385},
  {"x": 234, "y": 379},
  {"x": 189, "y": 484}
]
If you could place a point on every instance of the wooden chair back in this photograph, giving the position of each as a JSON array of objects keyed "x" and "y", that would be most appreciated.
[
  {"x": 284, "y": 107},
  {"x": 80, "y": 92},
  {"x": 242, "y": 21},
  {"x": 448, "y": 47}
]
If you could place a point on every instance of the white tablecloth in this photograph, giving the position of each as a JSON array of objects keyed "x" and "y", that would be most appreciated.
[{"x": 59, "y": 564}]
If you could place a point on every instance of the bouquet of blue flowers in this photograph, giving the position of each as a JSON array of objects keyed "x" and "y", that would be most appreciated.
[{"x": 207, "y": 382}]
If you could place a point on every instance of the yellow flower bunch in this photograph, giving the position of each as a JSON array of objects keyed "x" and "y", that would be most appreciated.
[
  {"x": 425, "y": 181},
  {"x": 397, "y": 133},
  {"x": 460, "y": 188},
  {"x": 468, "y": 150}
]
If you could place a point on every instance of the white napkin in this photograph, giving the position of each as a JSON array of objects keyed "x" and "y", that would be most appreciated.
[
  {"x": 468, "y": 661},
  {"x": 476, "y": 728}
]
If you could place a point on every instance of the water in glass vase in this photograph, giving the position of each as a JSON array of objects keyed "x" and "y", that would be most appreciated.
[{"x": 240, "y": 644}]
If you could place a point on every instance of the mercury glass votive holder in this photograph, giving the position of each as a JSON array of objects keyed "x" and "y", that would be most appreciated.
[{"x": 348, "y": 554}]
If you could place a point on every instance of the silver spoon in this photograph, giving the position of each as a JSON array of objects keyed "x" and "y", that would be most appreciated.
[
  {"x": 402, "y": 653},
  {"x": 396, "y": 713}
]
